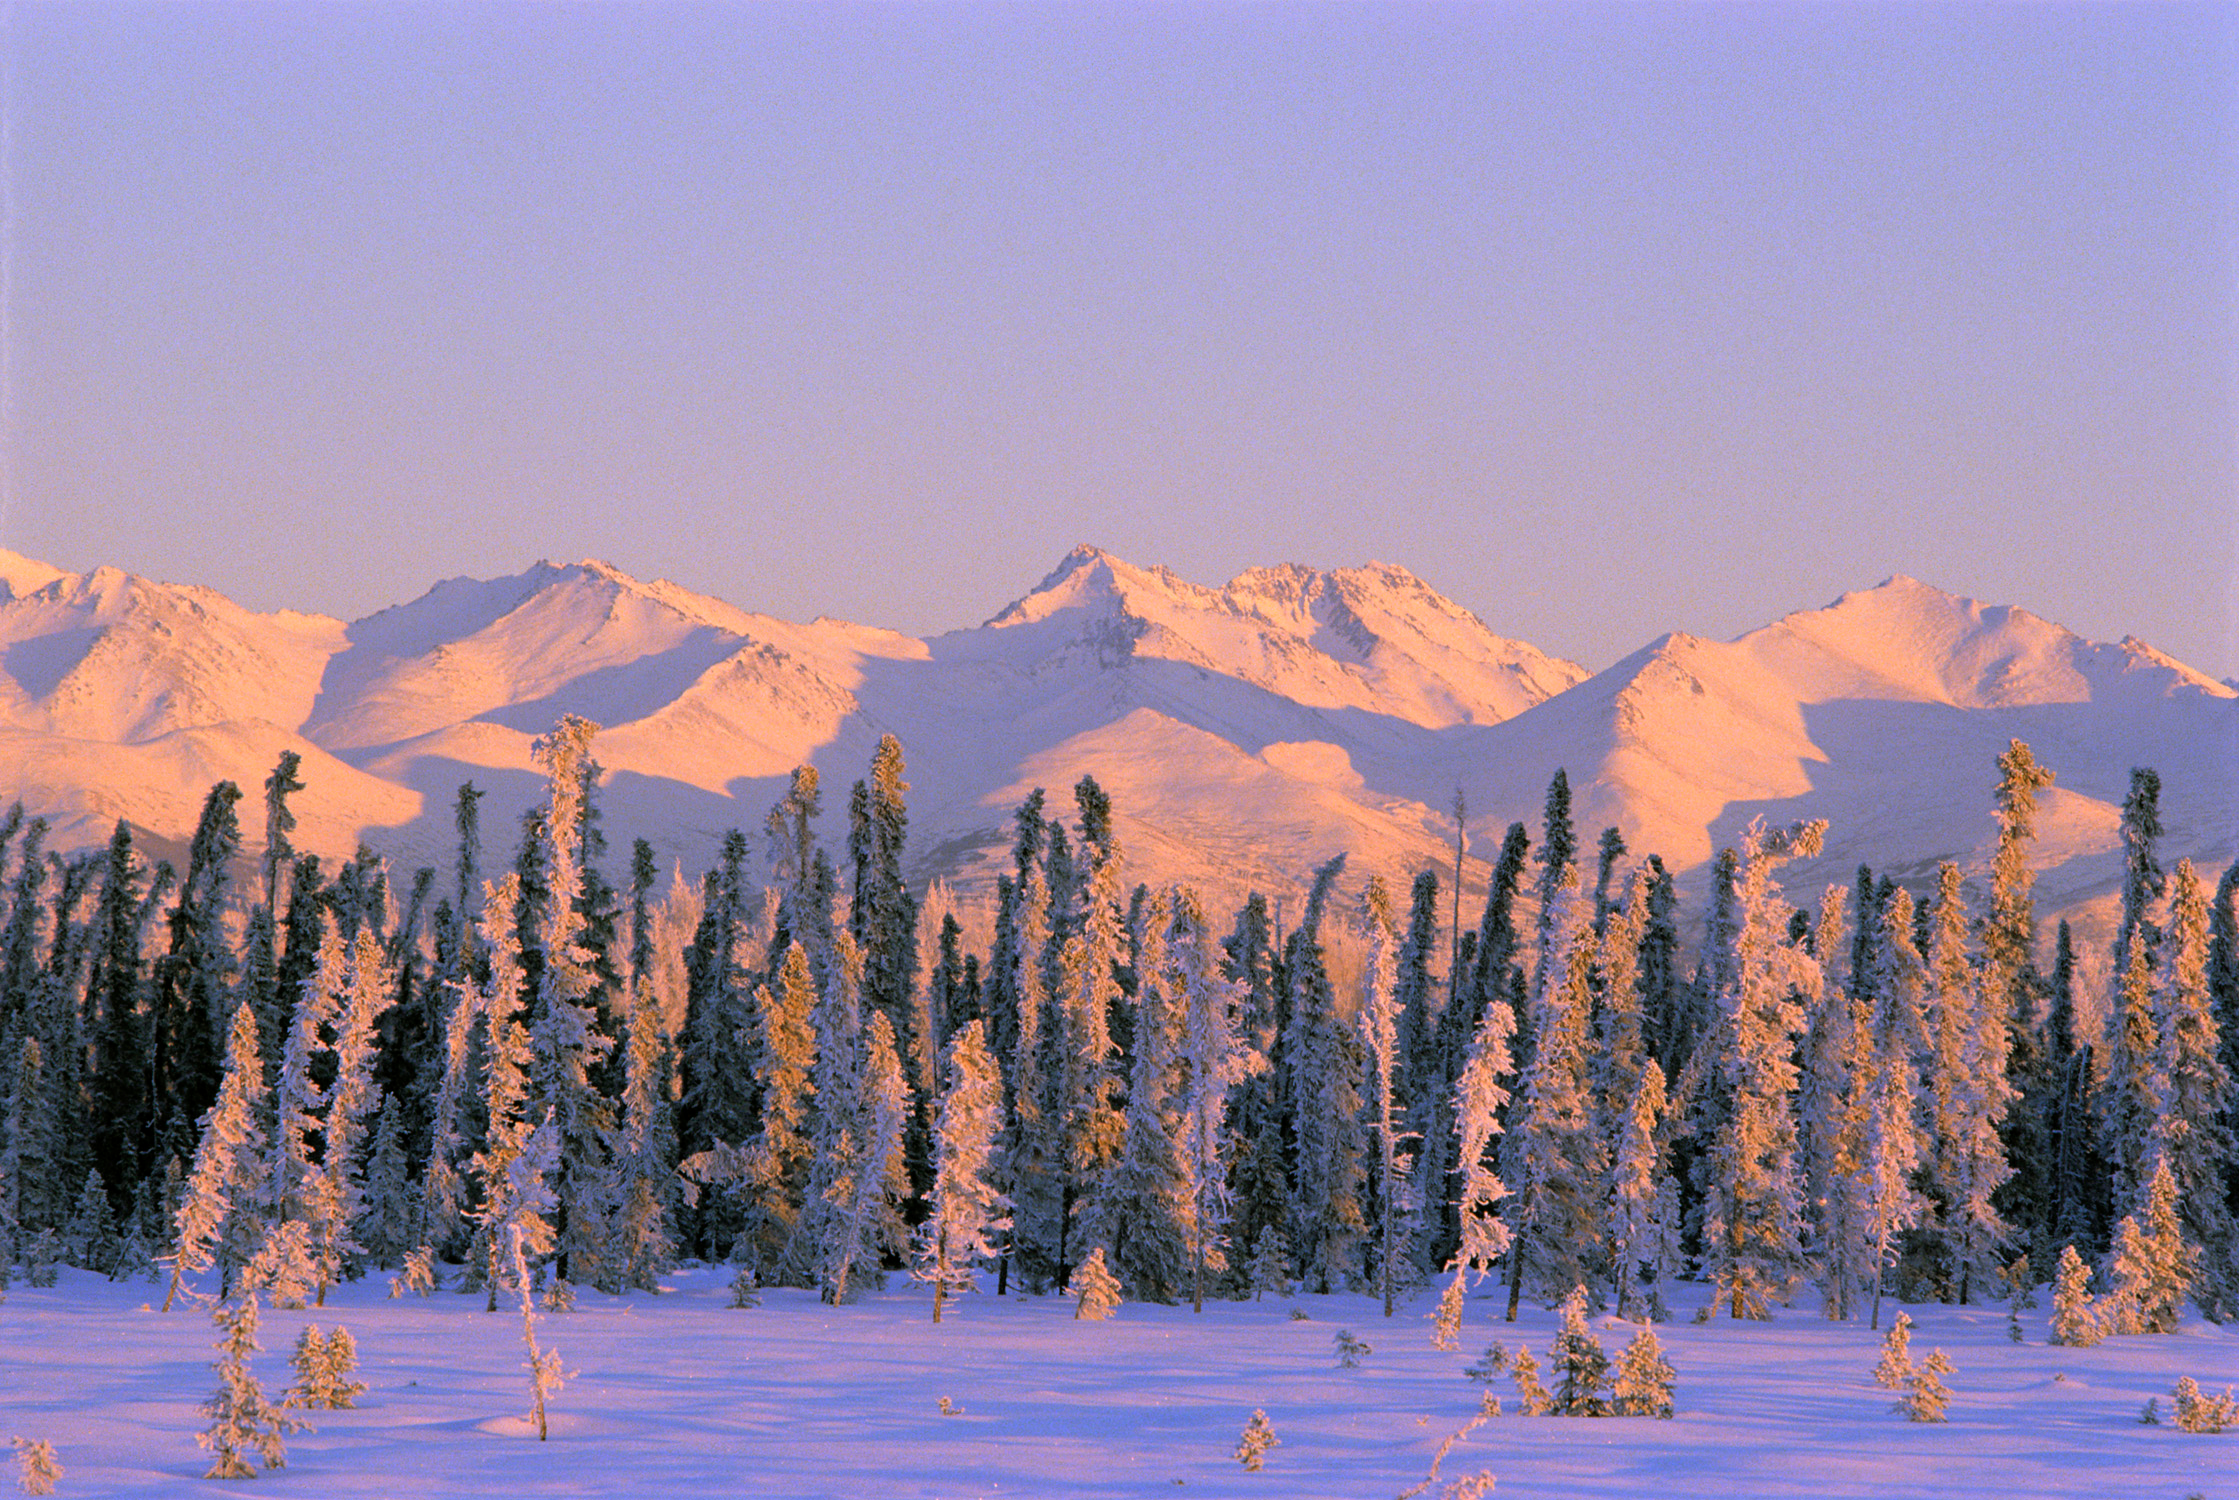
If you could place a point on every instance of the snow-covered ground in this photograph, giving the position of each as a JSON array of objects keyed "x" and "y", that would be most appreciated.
[{"x": 681, "y": 1395}]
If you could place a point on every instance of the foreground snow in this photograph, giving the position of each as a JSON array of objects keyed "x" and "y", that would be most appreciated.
[{"x": 681, "y": 1395}]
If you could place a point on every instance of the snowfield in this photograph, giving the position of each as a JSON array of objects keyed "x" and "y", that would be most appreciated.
[{"x": 682, "y": 1395}]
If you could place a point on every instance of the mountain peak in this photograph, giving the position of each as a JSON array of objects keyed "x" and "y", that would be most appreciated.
[{"x": 22, "y": 575}]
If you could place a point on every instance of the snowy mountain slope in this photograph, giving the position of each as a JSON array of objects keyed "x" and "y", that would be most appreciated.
[
  {"x": 1245, "y": 733},
  {"x": 112, "y": 658},
  {"x": 1884, "y": 713}
]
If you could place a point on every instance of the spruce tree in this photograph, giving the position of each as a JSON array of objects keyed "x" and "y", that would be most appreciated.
[
  {"x": 1752, "y": 1213},
  {"x": 1323, "y": 1056},
  {"x": 1215, "y": 1060},
  {"x": 1558, "y": 1161},
  {"x": 966, "y": 1211},
  {"x": 220, "y": 1216},
  {"x": 2189, "y": 1132},
  {"x": 1970, "y": 1091},
  {"x": 1087, "y": 1086},
  {"x": 1146, "y": 1207},
  {"x": 564, "y": 1035},
  {"x": 1479, "y": 1095},
  {"x": 1379, "y": 1015}
]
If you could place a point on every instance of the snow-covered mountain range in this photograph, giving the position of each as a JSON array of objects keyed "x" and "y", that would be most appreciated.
[{"x": 1245, "y": 733}]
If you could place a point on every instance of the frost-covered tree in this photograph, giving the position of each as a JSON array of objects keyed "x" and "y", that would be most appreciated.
[
  {"x": 443, "y": 1197},
  {"x": 1894, "y": 1142},
  {"x": 1096, "y": 1291},
  {"x": 2075, "y": 1321},
  {"x": 220, "y": 1216},
  {"x": 1479, "y": 1095},
  {"x": 1144, "y": 1208},
  {"x": 1379, "y": 1031},
  {"x": 1323, "y": 1056},
  {"x": 1645, "y": 1379},
  {"x": 1578, "y": 1363},
  {"x": 859, "y": 1179},
  {"x": 2152, "y": 1268},
  {"x": 1558, "y": 1162},
  {"x": 325, "y": 1364},
  {"x": 1753, "y": 1209},
  {"x": 1926, "y": 1396},
  {"x": 1024, "y": 1026},
  {"x": 350, "y": 1109},
  {"x": 1833, "y": 1112},
  {"x": 1215, "y": 1059},
  {"x": 505, "y": 1094},
  {"x": 1969, "y": 1090},
  {"x": 1643, "y": 1237},
  {"x": 295, "y": 1192},
  {"x": 1087, "y": 991},
  {"x": 965, "y": 1211},
  {"x": 2189, "y": 1131},
  {"x": 243, "y": 1419},
  {"x": 565, "y": 1040}
]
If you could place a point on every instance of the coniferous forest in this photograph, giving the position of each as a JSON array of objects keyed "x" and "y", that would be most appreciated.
[{"x": 543, "y": 1074}]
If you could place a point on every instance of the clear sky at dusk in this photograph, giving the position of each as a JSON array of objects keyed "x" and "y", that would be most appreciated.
[{"x": 1606, "y": 321}]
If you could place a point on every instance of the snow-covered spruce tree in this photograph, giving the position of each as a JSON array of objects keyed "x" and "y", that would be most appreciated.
[
  {"x": 1144, "y": 1210},
  {"x": 121, "y": 1111},
  {"x": 1478, "y": 1099},
  {"x": 220, "y": 1216},
  {"x": 1426, "y": 1080},
  {"x": 545, "y": 1375},
  {"x": 2152, "y": 1267},
  {"x": 38, "y": 1470},
  {"x": 1323, "y": 1057},
  {"x": 505, "y": 1088},
  {"x": 295, "y": 1193},
  {"x": 2199, "y": 1412},
  {"x": 1643, "y": 1234},
  {"x": 1379, "y": 1031},
  {"x": 883, "y": 914},
  {"x": 1087, "y": 990},
  {"x": 1215, "y": 1059},
  {"x": 1578, "y": 1363},
  {"x": 388, "y": 1226},
  {"x": 563, "y": 1030},
  {"x": 1895, "y": 980},
  {"x": 325, "y": 1364},
  {"x": 350, "y": 1108},
  {"x": 965, "y": 1210},
  {"x": 837, "y": 1150},
  {"x": 1833, "y": 1109},
  {"x": 1969, "y": 1090},
  {"x": 645, "y": 1139},
  {"x": 1096, "y": 1291},
  {"x": 443, "y": 1201},
  {"x": 2190, "y": 1134},
  {"x": 1620, "y": 1048},
  {"x": 1645, "y": 1379},
  {"x": 1753, "y": 1210},
  {"x": 857, "y": 1218},
  {"x": 242, "y": 1418},
  {"x": 193, "y": 982},
  {"x": 2075, "y": 1322},
  {"x": 1926, "y": 1396},
  {"x": 775, "y": 1186},
  {"x": 1259, "y": 1437},
  {"x": 89, "y": 1238},
  {"x": 2130, "y": 1098},
  {"x": 1524, "y": 1370},
  {"x": 716, "y": 1066},
  {"x": 1021, "y": 1008},
  {"x": 2012, "y": 985},
  {"x": 1562, "y": 1169}
]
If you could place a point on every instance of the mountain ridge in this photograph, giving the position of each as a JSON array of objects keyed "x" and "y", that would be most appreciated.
[{"x": 1245, "y": 731}]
